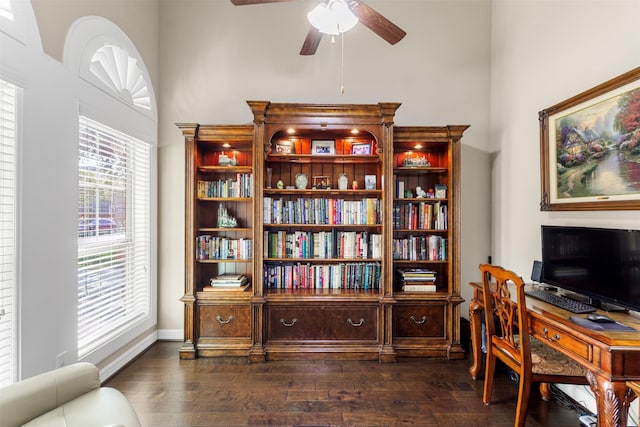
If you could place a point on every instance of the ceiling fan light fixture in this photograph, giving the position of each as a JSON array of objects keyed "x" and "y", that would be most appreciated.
[{"x": 332, "y": 17}]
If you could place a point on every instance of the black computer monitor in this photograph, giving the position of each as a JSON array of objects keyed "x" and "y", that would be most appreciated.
[{"x": 601, "y": 264}]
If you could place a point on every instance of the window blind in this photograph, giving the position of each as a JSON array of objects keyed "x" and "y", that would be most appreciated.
[
  {"x": 9, "y": 95},
  {"x": 113, "y": 234}
]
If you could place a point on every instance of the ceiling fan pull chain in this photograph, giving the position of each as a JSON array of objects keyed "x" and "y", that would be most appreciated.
[{"x": 342, "y": 65}]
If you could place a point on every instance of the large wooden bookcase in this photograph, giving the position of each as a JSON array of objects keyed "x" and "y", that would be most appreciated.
[{"x": 324, "y": 221}]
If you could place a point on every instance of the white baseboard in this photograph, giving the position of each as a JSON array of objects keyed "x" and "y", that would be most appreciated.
[
  {"x": 122, "y": 360},
  {"x": 171, "y": 334}
]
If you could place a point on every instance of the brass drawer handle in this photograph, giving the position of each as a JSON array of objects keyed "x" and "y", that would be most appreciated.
[
  {"x": 418, "y": 322},
  {"x": 288, "y": 325},
  {"x": 356, "y": 324},
  {"x": 546, "y": 335},
  {"x": 224, "y": 322}
]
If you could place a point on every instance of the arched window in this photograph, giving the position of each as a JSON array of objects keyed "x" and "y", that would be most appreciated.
[{"x": 117, "y": 176}]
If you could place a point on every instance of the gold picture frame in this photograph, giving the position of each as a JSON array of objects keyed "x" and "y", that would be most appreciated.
[{"x": 590, "y": 148}]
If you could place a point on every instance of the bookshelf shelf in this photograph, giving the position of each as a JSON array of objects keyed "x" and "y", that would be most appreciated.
[
  {"x": 225, "y": 169},
  {"x": 226, "y": 199},
  {"x": 419, "y": 231},
  {"x": 322, "y": 159},
  {"x": 224, "y": 230},
  {"x": 321, "y": 260},
  {"x": 324, "y": 226},
  {"x": 349, "y": 194},
  {"x": 419, "y": 170}
]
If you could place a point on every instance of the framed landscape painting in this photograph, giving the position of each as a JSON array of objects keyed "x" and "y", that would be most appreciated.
[{"x": 590, "y": 148}]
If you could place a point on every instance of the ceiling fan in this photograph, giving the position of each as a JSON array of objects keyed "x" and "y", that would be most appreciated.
[{"x": 358, "y": 10}]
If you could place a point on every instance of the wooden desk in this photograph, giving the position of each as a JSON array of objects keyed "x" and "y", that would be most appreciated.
[{"x": 612, "y": 358}]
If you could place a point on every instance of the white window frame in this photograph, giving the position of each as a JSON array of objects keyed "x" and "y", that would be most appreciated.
[
  {"x": 10, "y": 113},
  {"x": 103, "y": 104},
  {"x": 114, "y": 277}
]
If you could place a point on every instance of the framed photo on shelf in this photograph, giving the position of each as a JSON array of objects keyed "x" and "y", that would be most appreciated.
[
  {"x": 323, "y": 147},
  {"x": 590, "y": 148},
  {"x": 369, "y": 182},
  {"x": 285, "y": 146},
  {"x": 321, "y": 182},
  {"x": 361, "y": 148}
]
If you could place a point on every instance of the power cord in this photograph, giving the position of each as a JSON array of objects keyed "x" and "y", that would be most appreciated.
[
  {"x": 579, "y": 408},
  {"x": 568, "y": 402}
]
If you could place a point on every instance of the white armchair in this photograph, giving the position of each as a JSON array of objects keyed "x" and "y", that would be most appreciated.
[{"x": 66, "y": 397}]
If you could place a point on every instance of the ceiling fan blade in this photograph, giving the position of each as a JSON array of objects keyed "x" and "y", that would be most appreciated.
[
  {"x": 249, "y": 2},
  {"x": 376, "y": 22},
  {"x": 311, "y": 42}
]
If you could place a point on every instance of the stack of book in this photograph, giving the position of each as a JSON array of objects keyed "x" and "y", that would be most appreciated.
[
  {"x": 232, "y": 281},
  {"x": 417, "y": 279}
]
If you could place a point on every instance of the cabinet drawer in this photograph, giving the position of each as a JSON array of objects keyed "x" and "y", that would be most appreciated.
[
  {"x": 560, "y": 339},
  {"x": 418, "y": 321},
  {"x": 322, "y": 323},
  {"x": 229, "y": 320}
]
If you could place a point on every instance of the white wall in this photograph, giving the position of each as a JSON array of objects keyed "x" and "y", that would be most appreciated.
[
  {"x": 48, "y": 196},
  {"x": 544, "y": 52},
  {"x": 205, "y": 60},
  {"x": 47, "y": 174},
  {"x": 215, "y": 56}
]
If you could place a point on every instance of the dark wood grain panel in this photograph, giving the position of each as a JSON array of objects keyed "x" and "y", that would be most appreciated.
[
  {"x": 322, "y": 323},
  {"x": 225, "y": 320},
  {"x": 419, "y": 320}
]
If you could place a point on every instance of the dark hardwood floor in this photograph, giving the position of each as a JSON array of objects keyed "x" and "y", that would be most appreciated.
[{"x": 167, "y": 391}]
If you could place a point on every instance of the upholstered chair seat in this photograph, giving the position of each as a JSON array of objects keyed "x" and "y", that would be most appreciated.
[{"x": 547, "y": 361}]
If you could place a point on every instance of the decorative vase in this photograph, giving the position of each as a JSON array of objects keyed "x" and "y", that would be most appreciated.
[
  {"x": 301, "y": 181},
  {"x": 343, "y": 182}
]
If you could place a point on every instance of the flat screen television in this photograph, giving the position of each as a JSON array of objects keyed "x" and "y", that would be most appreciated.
[{"x": 601, "y": 264}]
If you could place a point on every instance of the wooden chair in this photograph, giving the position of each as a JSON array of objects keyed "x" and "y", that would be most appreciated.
[{"x": 533, "y": 361}]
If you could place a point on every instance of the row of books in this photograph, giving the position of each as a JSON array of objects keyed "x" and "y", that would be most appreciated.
[
  {"x": 356, "y": 275},
  {"x": 322, "y": 244},
  {"x": 219, "y": 248},
  {"x": 322, "y": 211},
  {"x": 417, "y": 279},
  {"x": 241, "y": 186},
  {"x": 420, "y": 216},
  {"x": 420, "y": 248}
]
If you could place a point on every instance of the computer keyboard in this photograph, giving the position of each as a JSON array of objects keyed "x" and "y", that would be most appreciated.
[{"x": 560, "y": 301}]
